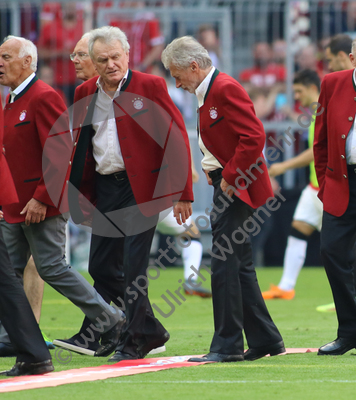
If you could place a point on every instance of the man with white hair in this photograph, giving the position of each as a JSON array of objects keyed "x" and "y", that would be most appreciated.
[
  {"x": 83, "y": 64},
  {"x": 231, "y": 138},
  {"x": 34, "y": 115},
  {"x": 132, "y": 160}
]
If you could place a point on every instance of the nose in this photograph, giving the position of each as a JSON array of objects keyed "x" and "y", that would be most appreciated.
[
  {"x": 178, "y": 84},
  {"x": 110, "y": 63}
]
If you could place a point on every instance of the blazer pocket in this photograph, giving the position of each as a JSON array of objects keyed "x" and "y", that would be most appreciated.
[
  {"x": 159, "y": 169},
  {"x": 216, "y": 122},
  {"x": 22, "y": 123},
  {"x": 330, "y": 169},
  {"x": 31, "y": 180}
]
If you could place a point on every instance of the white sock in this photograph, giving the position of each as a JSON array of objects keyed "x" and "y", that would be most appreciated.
[
  {"x": 293, "y": 262},
  {"x": 192, "y": 255}
]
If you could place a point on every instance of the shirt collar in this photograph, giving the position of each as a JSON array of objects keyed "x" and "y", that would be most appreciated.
[
  {"x": 122, "y": 82},
  {"x": 22, "y": 86},
  {"x": 354, "y": 77},
  {"x": 200, "y": 91}
]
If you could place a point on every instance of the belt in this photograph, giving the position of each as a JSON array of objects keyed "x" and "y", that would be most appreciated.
[
  {"x": 216, "y": 173},
  {"x": 351, "y": 168},
  {"x": 119, "y": 176}
]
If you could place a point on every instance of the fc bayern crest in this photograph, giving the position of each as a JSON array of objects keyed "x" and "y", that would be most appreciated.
[
  {"x": 138, "y": 103},
  {"x": 213, "y": 113},
  {"x": 22, "y": 115}
]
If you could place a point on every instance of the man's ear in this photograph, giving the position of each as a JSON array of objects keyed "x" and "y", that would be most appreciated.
[
  {"x": 27, "y": 60},
  {"x": 194, "y": 66}
]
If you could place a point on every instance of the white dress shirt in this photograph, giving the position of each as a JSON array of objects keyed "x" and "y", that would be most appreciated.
[
  {"x": 106, "y": 146},
  {"x": 351, "y": 138},
  {"x": 209, "y": 162},
  {"x": 20, "y": 88}
]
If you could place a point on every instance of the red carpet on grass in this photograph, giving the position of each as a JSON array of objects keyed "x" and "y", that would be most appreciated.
[{"x": 123, "y": 368}]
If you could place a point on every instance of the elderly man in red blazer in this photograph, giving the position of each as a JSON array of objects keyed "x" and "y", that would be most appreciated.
[
  {"x": 131, "y": 161},
  {"x": 231, "y": 139},
  {"x": 335, "y": 165},
  {"x": 37, "y": 145},
  {"x": 33, "y": 356}
]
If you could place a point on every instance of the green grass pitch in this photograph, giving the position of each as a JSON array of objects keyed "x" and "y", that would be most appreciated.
[{"x": 298, "y": 376}]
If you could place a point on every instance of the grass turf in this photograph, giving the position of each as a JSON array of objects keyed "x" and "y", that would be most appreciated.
[{"x": 298, "y": 376}]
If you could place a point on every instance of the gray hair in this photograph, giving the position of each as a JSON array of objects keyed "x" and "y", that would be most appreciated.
[
  {"x": 27, "y": 49},
  {"x": 353, "y": 47},
  {"x": 183, "y": 51},
  {"x": 86, "y": 35},
  {"x": 107, "y": 34}
]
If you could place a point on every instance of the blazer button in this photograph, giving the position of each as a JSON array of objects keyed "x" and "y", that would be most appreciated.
[
  {"x": 350, "y": 118},
  {"x": 75, "y": 143},
  {"x": 355, "y": 98},
  {"x": 343, "y": 136},
  {"x": 80, "y": 125},
  {"x": 342, "y": 156},
  {"x": 70, "y": 162},
  {"x": 344, "y": 176}
]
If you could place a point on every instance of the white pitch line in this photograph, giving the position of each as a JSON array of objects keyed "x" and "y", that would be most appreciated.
[{"x": 236, "y": 381}]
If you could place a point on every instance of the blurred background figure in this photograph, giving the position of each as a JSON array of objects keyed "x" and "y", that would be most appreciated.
[
  {"x": 46, "y": 73},
  {"x": 337, "y": 53},
  {"x": 143, "y": 33},
  {"x": 207, "y": 37},
  {"x": 264, "y": 72},
  {"x": 308, "y": 214},
  {"x": 56, "y": 42}
]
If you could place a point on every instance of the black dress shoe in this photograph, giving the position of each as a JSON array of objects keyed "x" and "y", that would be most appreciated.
[
  {"x": 110, "y": 339},
  {"x": 121, "y": 356},
  {"x": 338, "y": 347},
  {"x": 7, "y": 350},
  {"x": 217, "y": 357},
  {"x": 145, "y": 348},
  {"x": 259, "y": 352},
  {"x": 24, "y": 368}
]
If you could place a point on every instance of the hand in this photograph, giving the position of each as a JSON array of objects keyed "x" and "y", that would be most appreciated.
[
  {"x": 276, "y": 169},
  {"x": 210, "y": 181},
  {"x": 274, "y": 184},
  {"x": 1, "y": 215},
  {"x": 224, "y": 185},
  {"x": 35, "y": 212},
  {"x": 195, "y": 175},
  {"x": 182, "y": 210}
]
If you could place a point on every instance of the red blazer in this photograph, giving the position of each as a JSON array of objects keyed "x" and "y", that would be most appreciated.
[
  {"x": 234, "y": 135},
  {"x": 8, "y": 193},
  {"x": 38, "y": 166},
  {"x": 153, "y": 141},
  {"x": 338, "y": 98}
]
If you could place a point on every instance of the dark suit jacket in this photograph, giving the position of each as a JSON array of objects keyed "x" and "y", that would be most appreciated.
[{"x": 153, "y": 142}]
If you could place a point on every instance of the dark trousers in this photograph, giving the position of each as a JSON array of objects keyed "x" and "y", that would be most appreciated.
[
  {"x": 116, "y": 262},
  {"x": 237, "y": 301},
  {"x": 16, "y": 314},
  {"x": 338, "y": 236}
]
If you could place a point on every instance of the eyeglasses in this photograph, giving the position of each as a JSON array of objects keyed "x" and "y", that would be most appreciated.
[{"x": 80, "y": 55}]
